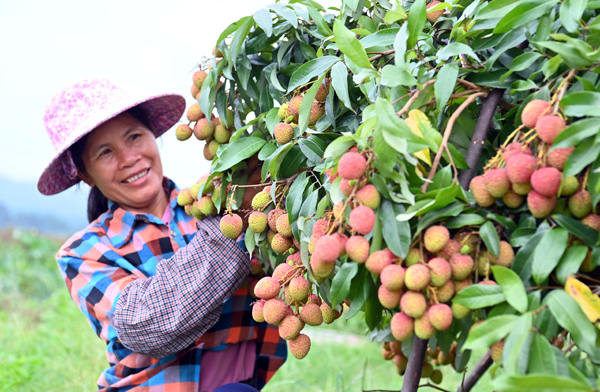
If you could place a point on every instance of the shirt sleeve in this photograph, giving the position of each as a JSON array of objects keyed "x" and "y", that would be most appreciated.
[{"x": 165, "y": 313}]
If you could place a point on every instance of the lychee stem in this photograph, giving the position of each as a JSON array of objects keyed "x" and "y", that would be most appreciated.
[
  {"x": 585, "y": 178},
  {"x": 414, "y": 97}
]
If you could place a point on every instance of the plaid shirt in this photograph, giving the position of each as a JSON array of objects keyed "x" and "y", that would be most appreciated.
[{"x": 159, "y": 307}]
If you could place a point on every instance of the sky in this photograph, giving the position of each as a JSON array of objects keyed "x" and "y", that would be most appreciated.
[{"x": 150, "y": 45}]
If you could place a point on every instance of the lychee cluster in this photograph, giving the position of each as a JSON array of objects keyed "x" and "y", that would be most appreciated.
[
  {"x": 536, "y": 178},
  {"x": 198, "y": 200}
]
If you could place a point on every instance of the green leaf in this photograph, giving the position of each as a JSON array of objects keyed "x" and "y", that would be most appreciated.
[
  {"x": 570, "y": 262},
  {"x": 538, "y": 383},
  {"x": 309, "y": 206},
  {"x": 395, "y": 131},
  {"x": 339, "y": 82},
  {"x": 497, "y": 7},
  {"x": 515, "y": 355},
  {"x": 239, "y": 37},
  {"x": 295, "y": 197},
  {"x": 512, "y": 287},
  {"x": 464, "y": 220},
  {"x": 454, "y": 49},
  {"x": 445, "y": 82},
  {"x": 339, "y": 146},
  {"x": 357, "y": 294},
  {"x": 578, "y": 229},
  {"x": 489, "y": 235},
  {"x": 570, "y": 14},
  {"x": 286, "y": 13},
  {"x": 340, "y": 285},
  {"x": 400, "y": 44},
  {"x": 525, "y": 12},
  {"x": 541, "y": 356},
  {"x": 581, "y": 103},
  {"x": 439, "y": 214},
  {"x": 586, "y": 153},
  {"x": 568, "y": 53},
  {"x": 394, "y": 76},
  {"x": 548, "y": 253},
  {"x": 479, "y": 296},
  {"x": 237, "y": 151},
  {"x": 292, "y": 162},
  {"x": 249, "y": 240},
  {"x": 385, "y": 37},
  {"x": 264, "y": 21},
  {"x": 416, "y": 21},
  {"x": 319, "y": 21},
  {"x": 576, "y": 133},
  {"x": 490, "y": 331},
  {"x": 569, "y": 315},
  {"x": 396, "y": 234},
  {"x": 311, "y": 149},
  {"x": 310, "y": 69},
  {"x": 306, "y": 105},
  {"x": 524, "y": 257},
  {"x": 350, "y": 46}
]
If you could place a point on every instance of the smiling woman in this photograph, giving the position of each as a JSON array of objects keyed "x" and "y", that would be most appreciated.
[{"x": 167, "y": 293}]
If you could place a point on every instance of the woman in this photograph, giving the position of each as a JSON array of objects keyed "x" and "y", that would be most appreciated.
[{"x": 165, "y": 291}]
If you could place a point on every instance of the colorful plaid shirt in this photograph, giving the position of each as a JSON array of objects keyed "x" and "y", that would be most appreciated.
[{"x": 159, "y": 303}]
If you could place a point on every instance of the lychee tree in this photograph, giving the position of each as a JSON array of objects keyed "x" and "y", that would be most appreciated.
[{"x": 432, "y": 168}]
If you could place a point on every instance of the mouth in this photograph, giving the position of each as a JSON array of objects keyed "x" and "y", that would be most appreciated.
[{"x": 136, "y": 176}]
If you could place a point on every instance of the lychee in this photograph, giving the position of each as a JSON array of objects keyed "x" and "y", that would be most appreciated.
[
  {"x": 549, "y": 127},
  {"x": 274, "y": 310},
  {"x": 294, "y": 106},
  {"x": 522, "y": 188},
  {"x": 257, "y": 221},
  {"x": 267, "y": 288},
  {"x": 280, "y": 273},
  {"x": 290, "y": 327},
  {"x": 497, "y": 350},
  {"x": 203, "y": 130},
  {"x": 451, "y": 247},
  {"x": 206, "y": 206},
  {"x": 311, "y": 314},
  {"x": 316, "y": 112},
  {"x": 580, "y": 204},
  {"x": 520, "y": 167},
  {"x": 480, "y": 193},
  {"x": 327, "y": 248},
  {"x": 362, "y": 219},
  {"x": 210, "y": 150},
  {"x": 392, "y": 277},
  {"x": 513, "y": 200},
  {"x": 505, "y": 257},
  {"x": 369, "y": 196},
  {"x": 513, "y": 149},
  {"x": 221, "y": 134},
  {"x": 460, "y": 285},
  {"x": 484, "y": 263},
  {"x": 329, "y": 314},
  {"x": 546, "y": 181},
  {"x": 280, "y": 243},
  {"x": 283, "y": 133},
  {"x": 338, "y": 210},
  {"x": 283, "y": 226},
  {"x": 558, "y": 157},
  {"x": 402, "y": 326},
  {"x": 436, "y": 377},
  {"x": 539, "y": 205},
  {"x": 195, "y": 210},
  {"x": 294, "y": 259},
  {"x": 413, "y": 304},
  {"x": 459, "y": 311},
  {"x": 440, "y": 271},
  {"x": 440, "y": 316},
  {"x": 352, "y": 166},
  {"x": 533, "y": 111},
  {"x": 194, "y": 113},
  {"x": 231, "y": 226},
  {"x": 423, "y": 327},
  {"x": 357, "y": 248},
  {"x": 260, "y": 200},
  {"x": 257, "y": 311},
  {"x": 433, "y": 16},
  {"x": 462, "y": 266},
  {"x": 183, "y": 132},
  {"x": 272, "y": 217},
  {"x": 592, "y": 220},
  {"x": 323, "y": 90},
  {"x": 299, "y": 288},
  {"x": 320, "y": 269},
  {"x": 445, "y": 292},
  {"x": 413, "y": 257},
  {"x": 417, "y": 277},
  {"x": 496, "y": 182},
  {"x": 435, "y": 238},
  {"x": 388, "y": 298},
  {"x": 569, "y": 186},
  {"x": 198, "y": 78},
  {"x": 378, "y": 260},
  {"x": 185, "y": 197},
  {"x": 283, "y": 111},
  {"x": 320, "y": 228},
  {"x": 299, "y": 346},
  {"x": 345, "y": 187}
]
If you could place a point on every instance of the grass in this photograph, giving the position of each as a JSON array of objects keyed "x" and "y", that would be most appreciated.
[{"x": 47, "y": 344}]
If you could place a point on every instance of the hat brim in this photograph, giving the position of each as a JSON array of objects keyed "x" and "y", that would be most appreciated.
[{"x": 163, "y": 111}]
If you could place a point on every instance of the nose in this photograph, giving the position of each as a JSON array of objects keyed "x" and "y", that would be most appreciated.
[{"x": 128, "y": 157}]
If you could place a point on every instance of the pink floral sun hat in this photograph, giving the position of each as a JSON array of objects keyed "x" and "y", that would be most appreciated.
[{"x": 78, "y": 109}]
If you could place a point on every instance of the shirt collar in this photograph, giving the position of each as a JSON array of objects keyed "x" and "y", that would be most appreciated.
[{"x": 119, "y": 224}]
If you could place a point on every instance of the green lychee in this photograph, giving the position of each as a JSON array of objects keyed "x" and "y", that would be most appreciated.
[
  {"x": 513, "y": 200},
  {"x": 580, "y": 204},
  {"x": 357, "y": 248},
  {"x": 281, "y": 244},
  {"x": 185, "y": 197},
  {"x": 183, "y": 132},
  {"x": 413, "y": 257},
  {"x": 423, "y": 327},
  {"x": 194, "y": 113},
  {"x": 445, "y": 292},
  {"x": 435, "y": 238},
  {"x": 413, "y": 304},
  {"x": 221, "y": 134},
  {"x": 206, "y": 206},
  {"x": 210, "y": 150},
  {"x": 417, "y": 277},
  {"x": 283, "y": 111},
  {"x": 459, "y": 311},
  {"x": 260, "y": 200},
  {"x": 440, "y": 316},
  {"x": 522, "y": 188},
  {"x": 257, "y": 221},
  {"x": 569, "y": 186},
  {"x": 231, "y": 226},
  {"x": 369, "y": 196},
  {"x": 329, "y": 314}
]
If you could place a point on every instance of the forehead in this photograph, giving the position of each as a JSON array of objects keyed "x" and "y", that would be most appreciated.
[{"x": 111, "y": 129}]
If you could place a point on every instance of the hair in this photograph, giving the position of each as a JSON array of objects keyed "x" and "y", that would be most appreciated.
[{"x": 97, "y": 202}]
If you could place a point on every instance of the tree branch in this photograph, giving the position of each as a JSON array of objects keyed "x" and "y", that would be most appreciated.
[
  {"x": 479, "y": 136},
  {"x": 482, "y": 366},
  {"x": 412, "y": 375}
]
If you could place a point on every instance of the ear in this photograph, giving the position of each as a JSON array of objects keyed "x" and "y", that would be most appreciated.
[{"x": 85, "y": 178}]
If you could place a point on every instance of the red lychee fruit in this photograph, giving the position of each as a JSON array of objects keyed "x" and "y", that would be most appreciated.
[
  {"x": 369, "y": 196},
  {"x": 280, "y": 273},
  {"x": 342, "y": 239},
  {"x": 313, "y": 299},
  {"x": 592, "y": 220},
  {"x": 267, "y": 288},
  {"x": 539, "y": 205},
  {"x": 320, "y": 227},
  {"x": 515, "y": 148},
  {"x": 257, "y": 311},
  {"x": 194, "y": 113},
  {"x": 505, "y": 257},
  {"x": 462, "y": 266},
  {"x": 520, "y": 167},
  {"x": 320, "y": 269},
  {"x": 533, "y": 111},
  {"x": 345, "y": 187},
  {"x": 275, "y": 310},
  {"x": 294, "y": 259},
  {"x": 513, "y": 200},
  {"x": 352, "y": 166},
  {"x": 433, "y": 16},
  {"x": 272, "y": 218},
  {"x": 323, "y": 90},
  {"x": 451, "y": 247},
  {"x": 316, "y": 112},
  {"x": 203, "y": 130},
  {"x": 440, "y": 316},
  {"x": 417, "y": 277},
  {"x": 481, "y": 195},
  {"x": 435, "y": 238},
  {"x": 282, "y": 224},
  {"x": 549, "y": 127},
  {"x": 423, "y": 327},
  {"x": 311, "y": 314},
  {"x": 290, "y": 327},
  {"x": 558, "y": 157},
  {"x": 445, "y": 292},
  {"x": 413, "y": 304},
  {"x": 283, "y": 133},
  {"x": 580, "y": 204},
  {"x": 546, "y": 181},
  {"x": 231, "y": 226},
  {"x": 392, "y": 277},
  {"x": 358, "y": 248},
  {"x": 378, "y": 260},
  {"x": 496, "y": 182},
  {"x": 460, "y": 285},
  {"x": 362, "y": 219},
  {"x": 294, "y": 106},
  {"x": 280, "y": 243},
  {"x": 299, "y": 346},
  {"x": 496, "y": 350},
  {"x": 299, "y": 288},
  {"x": 388, "y": 298},
  {"x": 440, "y": 271},
  {"x": 198, "y": 78},
  {"x": 327, "y": 248},
  {"x": 402, "y": 326}
]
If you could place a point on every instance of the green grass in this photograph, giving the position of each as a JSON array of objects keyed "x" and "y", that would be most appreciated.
[{"x": 47, "y": 345}]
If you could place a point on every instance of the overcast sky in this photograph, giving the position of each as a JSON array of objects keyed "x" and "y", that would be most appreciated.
[{"x": 149, "y": 44}]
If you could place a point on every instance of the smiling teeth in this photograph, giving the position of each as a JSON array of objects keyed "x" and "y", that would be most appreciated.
[{"x": 132, "y": 179}]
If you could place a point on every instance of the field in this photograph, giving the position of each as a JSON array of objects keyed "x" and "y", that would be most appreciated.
[{"x": 48, "y": 346}]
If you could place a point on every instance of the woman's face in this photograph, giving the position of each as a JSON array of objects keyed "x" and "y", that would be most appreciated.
[{"x": 121, "y": 158}]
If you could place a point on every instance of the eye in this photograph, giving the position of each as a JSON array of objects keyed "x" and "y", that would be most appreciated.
[
  {"x": 105, "y": 151},
  {"x": 134, "y": 136}
]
